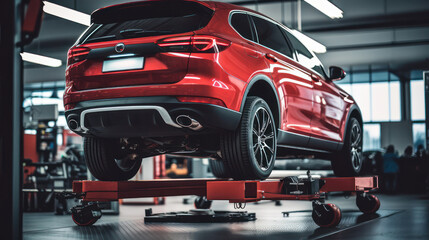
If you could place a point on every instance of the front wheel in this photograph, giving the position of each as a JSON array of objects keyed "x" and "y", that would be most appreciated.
[
  {"x": 250, "y": 151},
  {"x": 348, "y": 162},
  {"x": 108, "y": 161}
]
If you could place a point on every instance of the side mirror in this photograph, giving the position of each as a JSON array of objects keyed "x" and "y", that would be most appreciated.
[{"x": 336, "y": 73}]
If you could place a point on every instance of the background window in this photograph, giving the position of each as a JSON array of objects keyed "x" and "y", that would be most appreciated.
[
  {"x": 371, "y": 137},
  {"x": 395, "y": 101},
  {"x": 361, "y": 92},
  {"x": 361, "y": 77},
  {"x": 269, "y": 35},
  {"x": 240, "y": 22},
  {"x": 419, "y": 133},
  {"x": 417, "y": 100},
  {"x": 44, "y": 101},
  {"x": 378, "y": 101},
  {"x": 45, "y": 97}
]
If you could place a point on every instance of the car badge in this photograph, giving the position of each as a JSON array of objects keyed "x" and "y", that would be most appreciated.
[{"x": 120, "y": 47}]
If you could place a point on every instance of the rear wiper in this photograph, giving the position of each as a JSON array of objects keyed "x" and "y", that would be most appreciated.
[
  {"x": 96, "y": 39},
  {"x": 141, "y": 32}
]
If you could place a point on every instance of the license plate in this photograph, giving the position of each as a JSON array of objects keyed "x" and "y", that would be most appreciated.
[{"x": 123, "y": 64}]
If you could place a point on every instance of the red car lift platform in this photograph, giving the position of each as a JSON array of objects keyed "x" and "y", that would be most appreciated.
[{"x": 237, "y": 192}]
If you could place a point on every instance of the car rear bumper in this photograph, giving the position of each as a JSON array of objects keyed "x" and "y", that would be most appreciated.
[{"x": 147, "y": 117}]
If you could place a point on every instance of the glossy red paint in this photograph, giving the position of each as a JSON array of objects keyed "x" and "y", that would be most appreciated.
[{"x": 220, "y": 66}]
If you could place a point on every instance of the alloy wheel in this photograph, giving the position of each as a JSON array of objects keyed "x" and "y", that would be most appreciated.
[
  {"x": 126, "y": 155},
  {"x": 263, "y": 138},
  {"x": 127, "y": 162},
  {"x": 356, "y": 145}
]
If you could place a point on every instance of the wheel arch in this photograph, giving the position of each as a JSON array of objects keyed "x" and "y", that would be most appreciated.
[
  {"x": 262, "y": 86},
  {"x": 354, "y": 111}
]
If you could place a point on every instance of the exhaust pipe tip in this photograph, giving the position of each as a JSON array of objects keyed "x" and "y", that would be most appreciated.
[
  {"x": 73, "y": 125},
  {"x": 184, "y": 121},
  {"x": 187, "y": 122}
]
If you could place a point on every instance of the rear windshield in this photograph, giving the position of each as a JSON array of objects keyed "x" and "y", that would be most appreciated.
[{"x": 146, "y": 19}]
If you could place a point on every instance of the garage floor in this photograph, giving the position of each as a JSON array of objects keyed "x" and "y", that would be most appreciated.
[{"x": 400, "y": 217}]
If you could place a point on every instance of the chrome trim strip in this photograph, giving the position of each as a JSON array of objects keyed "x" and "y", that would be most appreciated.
[
  {"x": 302, "y": 135},
  {"x": 164, "y": 114},
  {"x": 302, "y": 148},
  {"x": 297, "y": 134}
]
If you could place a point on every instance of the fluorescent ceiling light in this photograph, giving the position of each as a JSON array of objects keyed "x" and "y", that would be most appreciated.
[
  {"x": 66, "y": 13},
  {"x": 327, "y": 8},
  {"x": 310, "y": 43},
  {"x": 42, "y": 60}
]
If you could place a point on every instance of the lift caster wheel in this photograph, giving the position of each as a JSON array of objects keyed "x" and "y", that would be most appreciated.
[
  {"x": 86, "y": 215},
  {"x": 202, "y": 203},
  {"x": 326, "y": 215},
  {"x": 367, "y": 203}
]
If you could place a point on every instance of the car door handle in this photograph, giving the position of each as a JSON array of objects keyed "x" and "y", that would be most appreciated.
[
  {"x": 343, "y": 94},
  {"x": 270, "y": 57},
  {"x": 315, "y": 78},
  {"x": 248, "y": 49}
]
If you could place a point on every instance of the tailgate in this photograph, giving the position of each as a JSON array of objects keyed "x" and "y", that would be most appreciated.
[{"x": 121, "y": 47}]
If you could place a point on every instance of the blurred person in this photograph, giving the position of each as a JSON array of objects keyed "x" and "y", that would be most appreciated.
[
  {"x": 426, "y": 167},
  {"x": 378, "y": 157},
  {"x": 420, "y": 152},
  {"x": 390, "y": 169},
  {"x": 407, "y": 171},
  {"x": 422, "y": 169}
]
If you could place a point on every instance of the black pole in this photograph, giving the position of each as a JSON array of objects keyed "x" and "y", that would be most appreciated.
[
  {"x": 11, "y": 87},
  {"x": 426, "y": 81}
]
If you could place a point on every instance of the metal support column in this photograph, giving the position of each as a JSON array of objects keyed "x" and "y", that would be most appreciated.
[
  {"x": 10, "y": 120},
  {"x": 426, "y": 81},
  {"x": 298, "y": 15}
]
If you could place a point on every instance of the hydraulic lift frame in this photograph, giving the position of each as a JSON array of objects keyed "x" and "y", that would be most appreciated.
[{"x": 237, "y": 192}]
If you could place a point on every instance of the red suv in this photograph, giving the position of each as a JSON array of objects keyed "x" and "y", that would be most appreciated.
[{"x": 204, "y": 79}]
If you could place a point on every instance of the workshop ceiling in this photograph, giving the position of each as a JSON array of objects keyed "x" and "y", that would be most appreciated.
[{"x": 390, "y": 33}]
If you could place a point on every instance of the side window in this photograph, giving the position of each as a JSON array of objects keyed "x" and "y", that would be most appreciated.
[
  {"x": 304, "y": 55},
  {"x": 240, "y": 23},
  {"x": 270, "y": 35}
]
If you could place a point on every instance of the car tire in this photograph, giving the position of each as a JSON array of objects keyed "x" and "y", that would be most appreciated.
[
  {"x": 105, "y": 163},
  {"x": 348, "y": 161},
  {"x": 249, "y": 152},
  {"x": 218, "y": 169}
]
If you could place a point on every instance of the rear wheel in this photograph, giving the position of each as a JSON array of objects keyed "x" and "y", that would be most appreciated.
[
  {"x": 348, "y": 162},
  {"x": 107, "y": 160},
  {"x": 250, "y": 151}
]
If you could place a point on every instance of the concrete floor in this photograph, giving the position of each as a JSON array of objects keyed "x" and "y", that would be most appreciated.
[{"x": 400, "y": 217}]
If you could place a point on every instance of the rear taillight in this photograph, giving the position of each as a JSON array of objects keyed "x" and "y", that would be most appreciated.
[
  {"x": 77, "y": 54},
  {"x": 175, "y": 44},
  {"x": 207, "y": 100},
  {"x": 198, "y": 43},
  {"x": 209, "y": 44}
]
